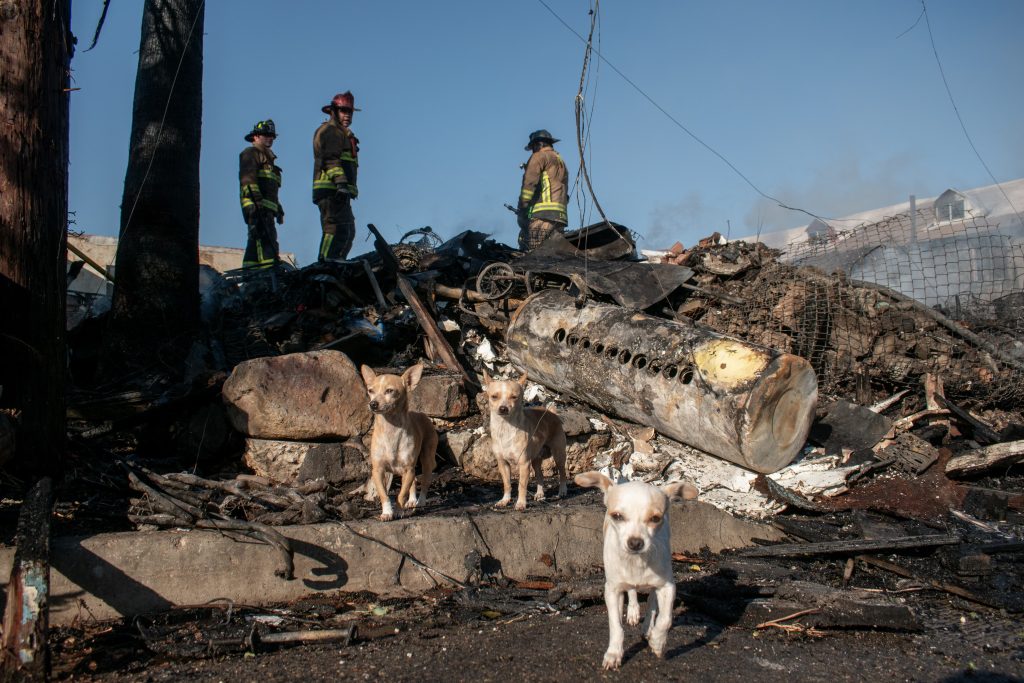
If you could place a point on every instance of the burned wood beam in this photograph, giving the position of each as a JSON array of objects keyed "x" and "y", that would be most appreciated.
[
  {"x": 437, "y": 340},
  {"x": 950, "y": 588},
  {"x": 983, "y": 433},
  {"x": 859, "y": 545},
  {"x": 984, "y": 459},
  {"x": 26, "y": 617}
]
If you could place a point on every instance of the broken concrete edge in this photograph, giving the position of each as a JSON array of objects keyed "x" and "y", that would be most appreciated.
[{"x": 107, "y": 576}]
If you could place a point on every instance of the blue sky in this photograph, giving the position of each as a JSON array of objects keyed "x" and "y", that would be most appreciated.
[{"x": 821, "y": 104}]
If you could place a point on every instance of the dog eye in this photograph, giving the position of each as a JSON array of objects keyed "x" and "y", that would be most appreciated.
[
  {"x": 617, "y": 516},
  {"x": 654, "y": 519}
]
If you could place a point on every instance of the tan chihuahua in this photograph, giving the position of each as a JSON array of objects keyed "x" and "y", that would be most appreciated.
[
  {"x": 637, "y": 556},
  {"x": 519, "y": 438},
  {"x": 401, "y": 437}
]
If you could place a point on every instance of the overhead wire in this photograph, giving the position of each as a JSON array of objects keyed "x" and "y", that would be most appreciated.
[
  {"x": 680, "y": 125},
  {"x": 963, "y": 126}
]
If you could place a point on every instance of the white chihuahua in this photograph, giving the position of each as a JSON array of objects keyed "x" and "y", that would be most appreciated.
[
  {"x": 401, "y": 438},
  {"x": 637, "y": 556}
]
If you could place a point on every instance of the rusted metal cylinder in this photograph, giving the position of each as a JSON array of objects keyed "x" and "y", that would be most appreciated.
[{"x": 748, "y": 404}]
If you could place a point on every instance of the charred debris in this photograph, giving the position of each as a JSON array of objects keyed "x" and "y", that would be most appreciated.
[{"x": 893, "y": 442}]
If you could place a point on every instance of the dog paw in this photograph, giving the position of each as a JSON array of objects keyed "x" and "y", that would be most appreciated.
[
  {"x": 538, "y": 496},
  {"x": 612, "y": 660},
  {"x": 386, "y": 516},
  {"x": 520, "y": 505},
  {"x": 562, "y": 491},
  {"x": 633, "y": 614},
  {"x": 657, "y": 643},
  {"x": 502, "y": 503}
]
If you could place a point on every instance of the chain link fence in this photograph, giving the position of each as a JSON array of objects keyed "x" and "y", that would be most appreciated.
[{"x": 879, "y": 306}]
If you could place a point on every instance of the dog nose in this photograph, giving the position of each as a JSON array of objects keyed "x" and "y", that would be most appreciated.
[
  {"x": 503, "y": 410},
  {"x": 374, "y": 405},
  {"x": 635, "y": 543}
]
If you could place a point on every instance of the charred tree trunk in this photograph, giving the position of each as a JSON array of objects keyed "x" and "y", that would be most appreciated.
[
  {"x": 35, "y": 50},
  {"x": 156, "y": 295}
]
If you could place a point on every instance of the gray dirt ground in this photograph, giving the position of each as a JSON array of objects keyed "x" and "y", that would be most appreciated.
[{"x": 439, "y": 640}]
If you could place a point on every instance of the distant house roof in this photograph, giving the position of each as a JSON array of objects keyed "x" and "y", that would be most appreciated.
[{"x": 994, "y": 203}]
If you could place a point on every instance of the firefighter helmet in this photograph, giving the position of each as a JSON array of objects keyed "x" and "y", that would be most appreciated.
[
  {"x": 540, "y": 136},
  {"x": 343, "y": 100},
  {"x": 265, "y": 127}
]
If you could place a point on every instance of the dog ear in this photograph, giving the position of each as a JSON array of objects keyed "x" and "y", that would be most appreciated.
[
  {"x": 593, "y": 480},
  {"x": 487, "y": 379},
  {"x": 522, "y": 380},
  {"x": 411, "y": 377},
  {"x": 680, "y": 490},
  {"x": 368, "y": 374}
]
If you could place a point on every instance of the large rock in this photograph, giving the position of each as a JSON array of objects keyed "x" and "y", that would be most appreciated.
[
  {"x": 300, "y": 397},
  {"x": 440, "y": 395},
  {"x": 580, "y": 452},
  {"x": 293, "y": 462}
]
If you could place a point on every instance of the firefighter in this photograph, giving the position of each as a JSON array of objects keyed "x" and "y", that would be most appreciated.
[
  {"x": 541, "y": 209},
  {"x": 335, "y": 165},
  {"x": 260, "y": 180}
]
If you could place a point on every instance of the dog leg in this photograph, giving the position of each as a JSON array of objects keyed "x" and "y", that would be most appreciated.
[
  {"x": 652, "y": 613},
  {"x": 506, "y": 482},
  {"x": 662, "y": 621},
  {"x": 538, "y": 473},
  {"x": 524, "y": 482},
  {"x": 632, "y": 608},
  {"x": 386, "y": 511},
  {"x": 408, "y": 489},
  {"x": 427, "y": 464},
  {"x": 558, "y": 452},
  {"x": 613, "y": 601}
]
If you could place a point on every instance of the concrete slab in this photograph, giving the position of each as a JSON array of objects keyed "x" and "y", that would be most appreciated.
[{"x": 123, "y": 574}]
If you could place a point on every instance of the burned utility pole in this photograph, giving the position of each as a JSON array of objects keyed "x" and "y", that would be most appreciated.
[
  {"x": 35, "y": 49},
  {"x": 156, "y": 295}
]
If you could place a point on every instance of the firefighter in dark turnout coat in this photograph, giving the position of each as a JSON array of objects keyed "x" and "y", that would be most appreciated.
[
  {"x": 335, "y": 166},
  {"x": 541, "y": 209},
  {"x": 259, "y": 179}
]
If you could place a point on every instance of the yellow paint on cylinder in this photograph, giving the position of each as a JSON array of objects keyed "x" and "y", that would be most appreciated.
[{"x": 727, "y": 363}]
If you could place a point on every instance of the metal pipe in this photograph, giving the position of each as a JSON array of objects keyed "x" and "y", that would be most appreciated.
[{"x": 748, "y": 404}]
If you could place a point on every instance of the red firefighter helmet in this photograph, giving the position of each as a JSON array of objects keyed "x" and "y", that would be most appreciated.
[{"x": 343, "y": 100}]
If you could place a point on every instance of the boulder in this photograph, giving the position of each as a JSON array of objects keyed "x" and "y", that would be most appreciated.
[
  {"x": 440, "y": 395},
  {"x": 293, "y": 462},
  {"x": 299, "y": 397}
]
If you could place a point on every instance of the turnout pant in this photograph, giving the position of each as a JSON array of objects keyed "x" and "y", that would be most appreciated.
[
  {"x": 261, "y": 250},
  {"x": 532, "y": 233},
  {"x": 339, "y": 228}
]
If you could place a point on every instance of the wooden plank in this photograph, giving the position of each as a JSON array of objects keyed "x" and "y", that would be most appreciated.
[
  {"x": 26, "y": 618},
  {"x": 437, "y": 340},
  {"x": 858, "y": 545},
  {"x": 984, "y": 459}
]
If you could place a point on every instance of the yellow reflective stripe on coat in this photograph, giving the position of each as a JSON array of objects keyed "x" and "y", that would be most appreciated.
[
  {"x": 545, "y": 187},
  {"x": 547, "y": 206},
  {"x": 526, "y": 195},
  {"x": 269, "y": 175},
  {"x": 267, "y": 204},
  {"x": 347, "y": 156}
]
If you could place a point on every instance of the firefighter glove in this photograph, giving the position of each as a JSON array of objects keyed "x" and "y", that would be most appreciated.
[
  {"x": 280, "y": 216},
  {"x": 343, "y": 191},
  {"x": 249, "y": 212}
]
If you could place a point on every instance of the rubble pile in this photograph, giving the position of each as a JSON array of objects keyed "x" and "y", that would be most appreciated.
[{"x": 846, "y": 329}]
